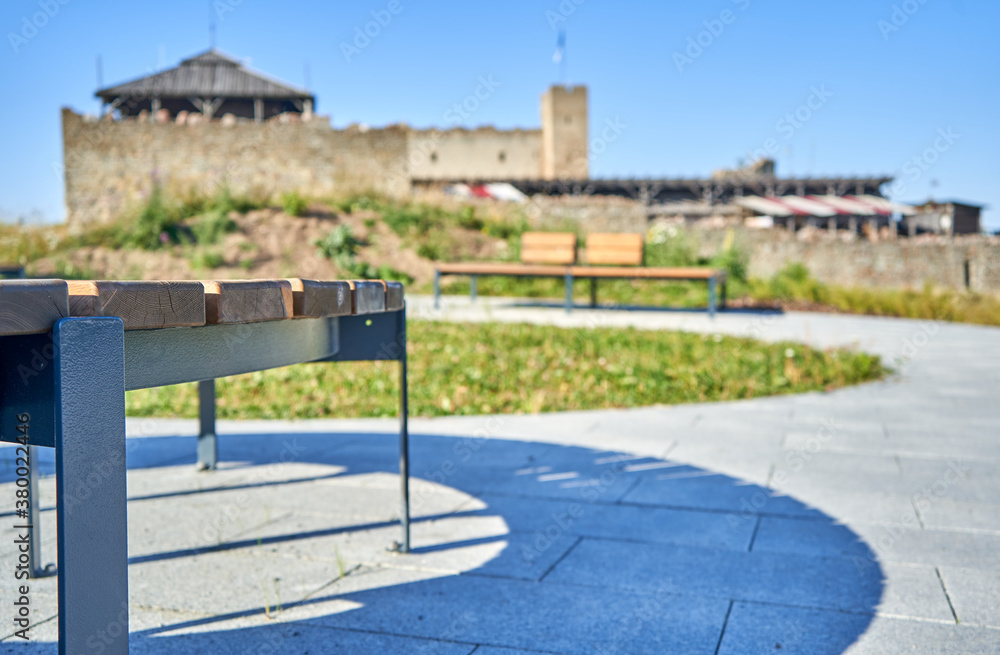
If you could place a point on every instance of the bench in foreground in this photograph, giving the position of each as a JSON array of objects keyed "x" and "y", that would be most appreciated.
[{"x": 70, "y": 351}]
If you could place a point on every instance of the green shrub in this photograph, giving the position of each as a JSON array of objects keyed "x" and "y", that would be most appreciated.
[
  {"x": 668, "y": 245},
  {"x": 431, "y": 251},
  {"x": 467, "y": 219},
  {"x": 340, "y": 245},
  {"x": 211, "y": 227},
  {"x": 207, "y": 259},
  {"x": 293, "y": 204},
  {"x": 155, "y": 226}
]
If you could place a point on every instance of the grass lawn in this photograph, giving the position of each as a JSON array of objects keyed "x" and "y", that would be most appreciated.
[{"x": 516, "y": 368}]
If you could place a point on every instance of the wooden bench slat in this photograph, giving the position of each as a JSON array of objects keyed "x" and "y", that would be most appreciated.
[
  {"x": 247, "y": 301},
  {"x": 548, "y": 255},
  {"x": 393, "y": 295},
  {"x": 472, "y": 268},
  {"x": 548, "y": 239},
  {"x": 661, "y": 273},
  {"x": 613, "y": 248},
  {"x": 548, "y": 248},
  {"x": 32, "y": 306},
  {"x": 140, "y": 304},
  {"x": 368, "y": 295},
  {"x": 315, "y": 298},
  {"x": 615, "y": 257}
]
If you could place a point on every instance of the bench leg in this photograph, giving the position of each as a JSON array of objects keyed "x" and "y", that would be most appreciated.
[
  {"x": 711, "y": 297},
  {"x": 569, "y": 293},
  {"x": 35, "y": 567},
  {"x": 208, "y": 446},
  {"x": 437, "y": 289},
  {"x": 722, "y": 305},
  {"x": 90, "y": 485},
  {"x": 472, "y": 288},
  {"x": 404, "y": 439},
  {"x": 593, "y": 292}
]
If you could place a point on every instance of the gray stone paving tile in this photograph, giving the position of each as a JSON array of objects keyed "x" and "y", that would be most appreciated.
[
  {"x": 975, "y": 594},
  {"x": 888, "y": 543},
  {"x": 520, "y": 615},
  {"x": 706, "y": 490},
  {"x": 452, "y": 545},
  {"x": 845, "y": 504},
  {"x": 248, "y": 580},
  {"x": 835, "y": 583},
  {"x": 292, "y": 638},
  {"x": 650, "y": 524},
  {"x": 945, "y": 513},
  {"x": 757, "y": 628}
]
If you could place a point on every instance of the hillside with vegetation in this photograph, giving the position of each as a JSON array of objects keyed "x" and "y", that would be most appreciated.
[{"x": 367, "y": 236}]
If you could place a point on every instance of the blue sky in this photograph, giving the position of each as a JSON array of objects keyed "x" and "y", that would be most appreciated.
[{"x": 695, "y": 88}]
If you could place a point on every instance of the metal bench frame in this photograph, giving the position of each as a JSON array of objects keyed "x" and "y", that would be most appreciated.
[
  {"x": 570, "y": 273},
  {"x": 72, "y": 384}
]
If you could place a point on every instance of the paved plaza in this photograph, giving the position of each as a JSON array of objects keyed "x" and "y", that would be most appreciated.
[{"x": 864, "y": 520}]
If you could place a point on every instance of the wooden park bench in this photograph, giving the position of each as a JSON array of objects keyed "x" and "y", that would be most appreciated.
[
  {"x": 553, "y": 254},
  {"x": 69, "y": 352}
]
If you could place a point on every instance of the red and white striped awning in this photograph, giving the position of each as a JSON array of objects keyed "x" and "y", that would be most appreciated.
[
  {"x": 823, "y": 206},
  {"x": 496, "y": 191}
]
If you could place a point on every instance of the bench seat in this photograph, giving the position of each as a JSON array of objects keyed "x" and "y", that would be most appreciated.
[
  {"x": 659, "y": 273},
  {"x": 609, "y": 256},
  {"x": 476, "y": 268}
]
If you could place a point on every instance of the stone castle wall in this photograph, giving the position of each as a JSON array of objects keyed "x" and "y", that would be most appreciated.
[
  {"x": 111, "y": 166},
  {"x": 940, "y": 261},
  {"x": 484, "y": 153}
]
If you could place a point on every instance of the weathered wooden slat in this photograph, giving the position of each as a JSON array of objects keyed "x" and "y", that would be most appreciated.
[
  {"x": 247, "y": 301},
  {"x": 141, "y": 305},
  {"x": 368, "y": 295},
  {"x": 314, "y": 298},
  {"x": 393, "y": 296},
  {"x": 32, "y": 306}
]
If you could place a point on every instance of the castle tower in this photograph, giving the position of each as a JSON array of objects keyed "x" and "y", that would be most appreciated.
[{"x": 564, "y": 133}]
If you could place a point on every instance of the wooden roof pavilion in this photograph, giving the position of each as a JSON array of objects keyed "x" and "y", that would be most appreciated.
[{"x": 213, "y": 84}]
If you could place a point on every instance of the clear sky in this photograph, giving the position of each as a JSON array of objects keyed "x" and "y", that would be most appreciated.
[{"x": 695, "y": 86}]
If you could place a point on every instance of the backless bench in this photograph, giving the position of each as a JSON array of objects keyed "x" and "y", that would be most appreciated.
[{"x": 69, "y": 351}]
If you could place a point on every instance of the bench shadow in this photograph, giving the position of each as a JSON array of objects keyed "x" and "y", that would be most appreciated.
[{"x": 516, "y": 544}]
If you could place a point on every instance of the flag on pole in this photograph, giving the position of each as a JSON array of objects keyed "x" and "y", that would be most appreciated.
[{"x": 557, "y": 57}]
